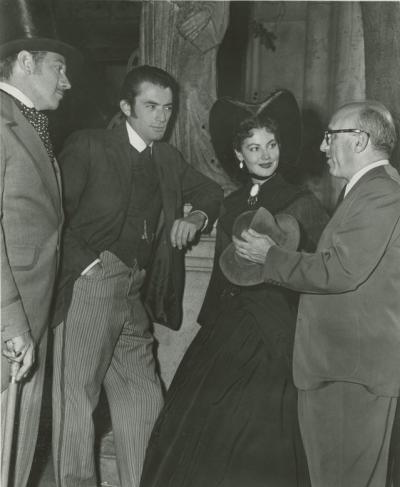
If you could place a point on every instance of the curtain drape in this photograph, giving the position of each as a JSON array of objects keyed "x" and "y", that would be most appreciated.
[
  {"x": 334, "y": 70},
  {"x": 382, "y": 57}
]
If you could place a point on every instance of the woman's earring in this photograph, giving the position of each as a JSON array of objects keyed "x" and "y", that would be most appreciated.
[{"x": 241, "y": 165}]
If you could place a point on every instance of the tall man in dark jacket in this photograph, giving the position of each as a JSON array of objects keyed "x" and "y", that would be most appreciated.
[{"x": 124, "y": 239}]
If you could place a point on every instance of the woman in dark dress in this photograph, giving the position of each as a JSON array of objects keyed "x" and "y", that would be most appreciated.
[{"x": 230, "y": 418}]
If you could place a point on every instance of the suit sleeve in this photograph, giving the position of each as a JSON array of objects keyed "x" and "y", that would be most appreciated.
[
  {"x": 201, "y": 192},
  {"x": 75, "y": 167},
  {"x": 355, "y": 247},
  {"x": 14, "y": 321}
]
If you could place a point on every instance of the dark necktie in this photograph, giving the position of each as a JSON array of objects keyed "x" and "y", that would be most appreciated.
[
  {"x": 40, "y": 123},
  {"x": 341, "y": 196}
]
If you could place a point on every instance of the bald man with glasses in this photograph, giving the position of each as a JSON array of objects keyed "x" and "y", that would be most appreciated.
[{"x": 347, "y": 348}]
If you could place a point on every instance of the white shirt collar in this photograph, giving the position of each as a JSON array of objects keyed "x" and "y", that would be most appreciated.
[
  {"x": 135, "y": 140},
  {"x": 358, "y": 175},
  {"x": 16, "y": 93}
]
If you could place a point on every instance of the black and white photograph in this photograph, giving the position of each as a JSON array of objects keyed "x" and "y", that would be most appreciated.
[{"x": 200, "y": 243}]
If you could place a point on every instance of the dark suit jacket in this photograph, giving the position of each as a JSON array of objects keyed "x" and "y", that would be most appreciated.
[
  {"x": 348, "y": 325},
  {"x": 31, "y": 219},
  {"x": 96, "y": 170}
]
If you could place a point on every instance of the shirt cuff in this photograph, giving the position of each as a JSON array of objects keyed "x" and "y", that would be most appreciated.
[
  {"x": 205, "y": 216},
  {"x": 87, "y": 269}
]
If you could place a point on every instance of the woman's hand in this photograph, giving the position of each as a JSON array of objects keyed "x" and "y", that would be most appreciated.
[{"x": 254, "y": 246}]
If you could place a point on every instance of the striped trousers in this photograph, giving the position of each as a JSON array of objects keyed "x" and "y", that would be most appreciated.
[{"x": 105, "y": 340}]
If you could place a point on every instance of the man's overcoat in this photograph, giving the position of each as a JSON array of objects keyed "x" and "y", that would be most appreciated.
[{"x": 31, "y": 219}]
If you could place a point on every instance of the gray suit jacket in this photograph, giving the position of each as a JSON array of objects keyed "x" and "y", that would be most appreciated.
[
  {"x": 348, "y": 325},
  {"x": 31, "y": 220}
]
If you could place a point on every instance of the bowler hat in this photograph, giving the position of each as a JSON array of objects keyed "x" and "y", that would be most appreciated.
[
  {"x": 30, "y": 25},
  {"x": 226, "y": 114},
  {"x": 284, "y": 231}
]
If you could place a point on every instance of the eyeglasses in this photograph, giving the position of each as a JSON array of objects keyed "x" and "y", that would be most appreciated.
[{"x": 329, "y": 132}]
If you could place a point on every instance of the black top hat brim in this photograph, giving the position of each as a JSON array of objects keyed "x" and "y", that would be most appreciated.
[
  {"x": 226, "y": 114},
  {"x": 40, "y": 44},
  {"x": 30, "y": 25},
  {"x": 283, "y": 229}
]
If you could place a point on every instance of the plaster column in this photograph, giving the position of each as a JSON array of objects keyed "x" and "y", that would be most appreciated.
[{"x": 183, "y": 37}]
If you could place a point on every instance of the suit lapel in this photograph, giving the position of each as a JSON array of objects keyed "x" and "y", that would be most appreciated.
[
  {"x": 165, "y": 171},
  {"x": 351, "y": 195},
  {"x": 366, "y": 177},
  {"x": 29, "y": 139},
  {"x": 166, "y": 176},
  {"x": 118, "y": 152}
]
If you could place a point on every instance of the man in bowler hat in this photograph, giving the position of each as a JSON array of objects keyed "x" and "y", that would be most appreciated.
[
  {"x": 346, "y": 355},
  {"x": 32, "y": 78},
  {"x": 123, "y": 257}
]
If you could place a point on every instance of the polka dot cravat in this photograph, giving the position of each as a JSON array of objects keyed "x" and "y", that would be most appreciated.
[{"x": 40, "y": 123}]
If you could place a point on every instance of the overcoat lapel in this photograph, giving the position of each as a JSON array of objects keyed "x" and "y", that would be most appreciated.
[{"x": 22, "y": 130}]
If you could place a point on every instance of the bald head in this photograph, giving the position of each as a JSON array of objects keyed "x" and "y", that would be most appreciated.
[
  {"x": 375, "y": 119},
  {"x": 358, "y": 135}
]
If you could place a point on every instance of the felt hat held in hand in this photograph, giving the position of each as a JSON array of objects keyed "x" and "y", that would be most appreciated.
[{"x": 284, "y": 231}]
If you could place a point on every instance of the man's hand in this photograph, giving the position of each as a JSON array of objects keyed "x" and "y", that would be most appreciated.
[
  {"x": 21, "y": 349},
  {"x": 184, "y": 230},
  {"x": 254, "y": 246}
]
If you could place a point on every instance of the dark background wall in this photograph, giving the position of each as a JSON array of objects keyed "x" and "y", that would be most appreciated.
[{"x": 107, "y": 34}]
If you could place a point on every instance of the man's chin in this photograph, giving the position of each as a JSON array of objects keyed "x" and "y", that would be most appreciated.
[
  {"x": 51, "y": 104},
  {"x": 158, "y": 135}
]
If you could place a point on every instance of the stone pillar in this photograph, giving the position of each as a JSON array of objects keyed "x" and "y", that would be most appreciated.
[{"x": 183, "y": 37}]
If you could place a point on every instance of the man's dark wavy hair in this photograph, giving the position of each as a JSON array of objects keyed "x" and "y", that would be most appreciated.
[{"x": 140, "y": 74}]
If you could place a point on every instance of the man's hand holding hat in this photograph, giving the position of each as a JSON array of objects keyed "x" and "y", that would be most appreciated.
[
  {"x": 254, "y": 233},
  {"x": 253, "y": 246}
]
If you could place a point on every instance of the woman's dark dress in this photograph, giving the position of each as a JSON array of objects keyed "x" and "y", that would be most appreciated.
[{"x": 230, "y": 418}]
